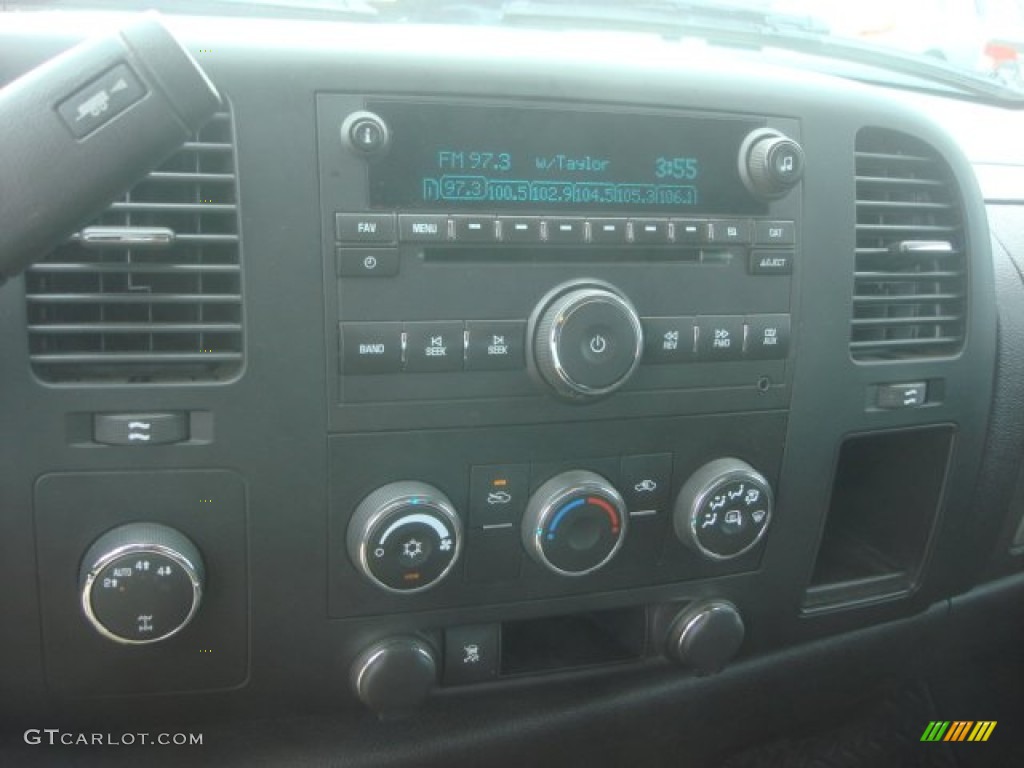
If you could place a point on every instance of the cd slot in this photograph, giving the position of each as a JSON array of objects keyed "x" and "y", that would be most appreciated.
[{"x": 561, "y": 254}]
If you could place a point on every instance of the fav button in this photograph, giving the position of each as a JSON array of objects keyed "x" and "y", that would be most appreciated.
[
  {"x": 431, "y": 347},
  {"x": 365, "y": 227}
]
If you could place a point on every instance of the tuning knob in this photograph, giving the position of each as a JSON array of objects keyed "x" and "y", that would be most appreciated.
[
  {"x": 585, "y": 340},
  {"x": 723, "y": 510},
  {"x": 705, "y": 636},
  {"x": 394, "y": 675},
  {"x": 141, "y": 583},
  {"x": 575, "y": 523},
  {"x": 771, "y": 164},
  {"x": 405, "y": 537}
]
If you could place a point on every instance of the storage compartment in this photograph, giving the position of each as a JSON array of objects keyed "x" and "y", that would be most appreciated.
[
  {"x": 570, "y": 642},
  {"x": 885, "y": 500}
]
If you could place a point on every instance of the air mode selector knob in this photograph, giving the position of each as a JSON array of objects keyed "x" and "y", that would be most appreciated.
[
  {"x": 771, "y": 164},
  {"x": 405, "y": 537},
  {"x": 724, "y": 509},
  {"x": 141, "y": 583},
  {"x": 575, "y": 523},
  {"x": 585, "y": 340}
]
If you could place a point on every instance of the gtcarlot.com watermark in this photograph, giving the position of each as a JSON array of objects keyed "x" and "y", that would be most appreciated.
[{"x": 56, "y": 737}]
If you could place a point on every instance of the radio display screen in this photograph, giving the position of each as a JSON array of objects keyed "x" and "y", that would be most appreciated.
[{"x": 445, "y": 156}]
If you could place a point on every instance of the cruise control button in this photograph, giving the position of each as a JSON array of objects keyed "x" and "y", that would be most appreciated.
[
  {"x": 474, "y": 229},
  {"x": 422, "y": 228},
  {"x": 608, "y": 231},
  {"x": 365, "y": 227},
  {"x": 367, "y": 262},
  {"x": 515, "y": 229},
  {"x": 432, "y": 347},
  {"x": 767, "y": 337},
  {"x": 498, "y": 495},
  {"x": 771, "y": 262},
  {"x": 565, "y": 230},
  {"x": 371, "y": 347},
  {"x": 735, "y": 231},
  {"x": 668, "y": 339},
  {"x": 719, "y": 338},
  {"x": 775, "y": 233},
  {"x": 650, "y": 231},
  {"x": 497, "y": 345}
]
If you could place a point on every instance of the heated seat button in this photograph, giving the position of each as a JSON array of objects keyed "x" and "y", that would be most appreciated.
[
  {"x": 471, "y": 654},
  {"x": 496, "y": 345},
  {"x": 767, "y": 337},
  {"x": 139, "y": 428},
  {"x": 719, "y": 338},
  {"x": 371, "y": 347},
  {"x": 431, "y": 346}
]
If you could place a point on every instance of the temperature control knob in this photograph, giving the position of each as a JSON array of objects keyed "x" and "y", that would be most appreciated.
[
  {"x": 585, "y": 339},
  {"x": 575, "y": 523},
  {"x": 141, "y": 583},
  {"x": 724, "y": 509},
  {"x": 405, "y": 537},
  {"x": 771, "y": 164}
]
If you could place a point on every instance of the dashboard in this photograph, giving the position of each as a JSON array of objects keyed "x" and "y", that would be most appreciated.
[{"x": 457, "y": 402}]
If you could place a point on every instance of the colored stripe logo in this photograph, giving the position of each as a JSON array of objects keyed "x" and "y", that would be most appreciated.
[{"x": 958, "y": 730}]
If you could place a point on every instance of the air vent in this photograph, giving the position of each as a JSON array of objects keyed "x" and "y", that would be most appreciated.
[
  {"x": 151, "y": 290},
  {"x": 910, "y": 283}
]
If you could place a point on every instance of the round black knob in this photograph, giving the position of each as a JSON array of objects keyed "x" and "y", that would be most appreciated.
[
  {"x": 723, "y": 510},
  {"x": 771, "y": 164},
  {"x": 405, "y": 537},
  {"x": 365, "y": 133},
  {"x": 575, "y": 523},
  {"x": 705, "y": 636},
  {"x": 141, "y": 583},
  {"x": 586, "y": 340},
  {"x": 394, "y": 675}
]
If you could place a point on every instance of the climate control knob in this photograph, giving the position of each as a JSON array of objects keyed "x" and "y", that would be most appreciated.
[
  {"x": 585, "y": 340},
  {"x": 575, "y": 523},
  {"x": 141, "y": 583},
  {"x": 405, "y": 537},
  {"x": 724, "y": 509}
]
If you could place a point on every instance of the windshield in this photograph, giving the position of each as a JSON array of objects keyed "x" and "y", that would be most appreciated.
[{"x": 974, "y": 46}]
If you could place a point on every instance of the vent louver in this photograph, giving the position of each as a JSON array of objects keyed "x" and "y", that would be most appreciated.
[
  {"x": 910, "y": 283},
  {"x": 151, "y": 290}
]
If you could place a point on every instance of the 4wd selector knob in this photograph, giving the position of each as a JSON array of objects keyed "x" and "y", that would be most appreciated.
[
  {"x": 585, "y": 340},
  {"x": 141, "y": 583},
  {"x": 405, "y": 537},
  {"x": 575, "y": 523}
]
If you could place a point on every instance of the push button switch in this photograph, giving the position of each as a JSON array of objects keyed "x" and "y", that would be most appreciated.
[
  {"x": 433, "y": 347},
  {"x": 668, "y": 339},
  {"x": 719, "y": 338},
  {"x": 365, "y": 227},
  {"x": 767, "y": 337},
  {"x": 140, "y": 428},
  {"x": 471, "y": 654},
  {"x": 646, "y": 482},
  {"x": 495, "y": 345},
  {"x": 497, "y": 495},
  {"x": 371, "y": 347}
]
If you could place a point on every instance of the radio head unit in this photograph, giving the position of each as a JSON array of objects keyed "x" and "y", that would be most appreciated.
[{"x": 536, "y": 254}]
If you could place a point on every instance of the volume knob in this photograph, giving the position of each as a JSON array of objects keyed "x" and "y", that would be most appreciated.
[{"x": 586, "y": 340}]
